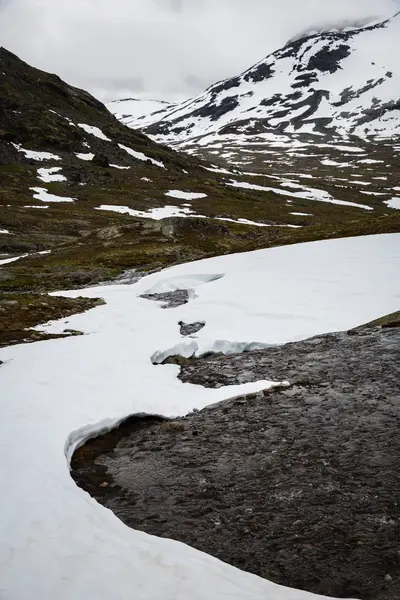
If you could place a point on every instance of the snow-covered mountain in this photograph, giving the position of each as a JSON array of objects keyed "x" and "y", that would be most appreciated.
[
  {"x": 333, "y": 82},
  {"x": 133, "y": 112}
]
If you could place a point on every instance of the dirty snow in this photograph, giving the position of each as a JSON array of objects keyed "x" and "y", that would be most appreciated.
[{"x": 58, "y": 542}]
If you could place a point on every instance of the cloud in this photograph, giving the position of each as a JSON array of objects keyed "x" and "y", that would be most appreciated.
[{"x": 162, "y": 48}]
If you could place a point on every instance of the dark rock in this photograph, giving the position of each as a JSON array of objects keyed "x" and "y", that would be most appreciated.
[
  {"x": 190, "y": 328},
  {"x": 101, "y": 160},
  {"x": 170, "y": 299}
]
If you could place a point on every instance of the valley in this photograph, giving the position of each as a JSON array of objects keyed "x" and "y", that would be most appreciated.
[{"x": 184, "y": 289}]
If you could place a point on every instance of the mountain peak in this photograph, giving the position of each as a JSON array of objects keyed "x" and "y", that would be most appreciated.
[{"x": 339, "y": 81}]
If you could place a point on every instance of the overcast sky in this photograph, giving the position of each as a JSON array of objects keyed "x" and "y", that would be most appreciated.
[{"x": 167, "y": 49}]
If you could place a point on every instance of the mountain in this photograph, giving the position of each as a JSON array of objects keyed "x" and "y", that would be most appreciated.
[
  {"x": 334, "y": 83},
  {"x": 138, "y": 112}
]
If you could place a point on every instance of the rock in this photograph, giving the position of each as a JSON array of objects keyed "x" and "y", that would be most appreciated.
[
  {"x": 170, "y": 299},
  {"x": 190, "y": 328},
  {"x": 101, "y": 160},
  {"x": 109, "y": 233}
]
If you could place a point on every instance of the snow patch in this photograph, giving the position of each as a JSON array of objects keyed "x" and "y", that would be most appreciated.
[
  {"x": 306, "y": 193},
  {"x": 44, "y": 195},
  {"x": 51, "y": 174},
  {"x": 85, "y": 155},
  {"x": 36, "y": 155},
  {"x": 36, "y": 206},
  {"x": 141, "y": 156},
  {"x": 301, "y": 214},
  {"x": 179, "y": 194},
  {"x": 94, "y": 131},
  {"x": 154, "y": 213},
  {"x": 393, "y": 203}
]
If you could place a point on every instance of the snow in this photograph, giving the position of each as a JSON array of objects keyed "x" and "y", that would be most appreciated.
[
  {"x": 56, "y": 541},
  {"x": 5, "y": 231},
  {"x": 214, "y": 169},
  {"x": 185, "y": 195},
  {"x": 154, "y": 213},
  {"x": 245, "y": 222},
  {"x": 35, "y": 155},
  {"x": 141, "y": 156},
  {"x": 165, "y": 212},
  {"x": 94, "y": 131},
  {"x": 51, "y": 174},
  {"x": 85, "y": 155},
  {"x": 119, "y": 167},
  {"x": 333, "y": 163},
  {"x": 6, "y": 261},
  {"x": 370, "y": 161},
  {"x": 305, "y": 193},
  {"x": 372, "y": 193},
  {"x": 44, "y": 195},
  {"x": 36, "y": 206},
  {"x": 393, "y": 203},
  {"x": 301, "y": 214}
]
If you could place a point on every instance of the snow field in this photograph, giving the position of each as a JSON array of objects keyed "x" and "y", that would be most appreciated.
[{"x": 55, "y": 540}]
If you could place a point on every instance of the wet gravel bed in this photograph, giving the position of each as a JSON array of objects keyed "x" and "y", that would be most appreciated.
[{"x": 299, "y": 485}]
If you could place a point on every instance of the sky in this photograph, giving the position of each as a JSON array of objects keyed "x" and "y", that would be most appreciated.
[{"x": 163, "y": 49}]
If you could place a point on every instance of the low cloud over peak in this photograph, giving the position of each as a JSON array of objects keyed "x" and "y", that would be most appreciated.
[{"x": 169, "y": 49}]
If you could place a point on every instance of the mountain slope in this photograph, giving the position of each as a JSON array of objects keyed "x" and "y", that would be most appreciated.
[
  {"x": 335, "y": 82},
  {"x": 139, "y": 112}
]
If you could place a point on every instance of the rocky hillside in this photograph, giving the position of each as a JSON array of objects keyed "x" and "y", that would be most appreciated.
[{"x": 333, "y": 83}]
